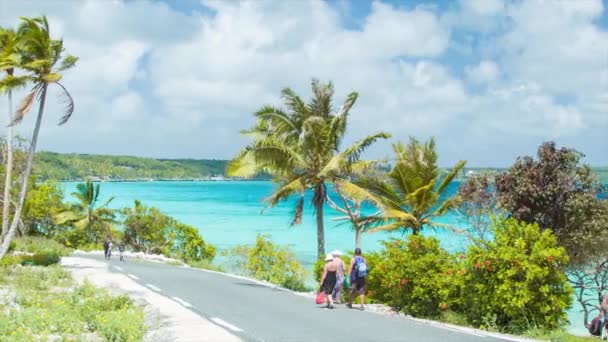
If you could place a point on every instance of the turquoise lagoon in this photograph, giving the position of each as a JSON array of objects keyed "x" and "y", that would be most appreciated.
[{"x": 229, "y": 213}]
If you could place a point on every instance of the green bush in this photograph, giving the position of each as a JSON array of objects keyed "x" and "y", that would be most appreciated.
[
  {"x": 516, "y": 282},
  {"x": 10, "y": 260},
  {"x": 512, "y": 283},
  {"x": 40, "y": 259},
  {"x": 40, "y": 245},
  {"x": 415, "y": 276},
  {"x": 266, "y": 261}
]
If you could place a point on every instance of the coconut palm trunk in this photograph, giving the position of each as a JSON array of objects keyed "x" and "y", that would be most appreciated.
[
  {"x": 358, "y": 237},
  {"x": 9, "y": 169},
  {"x": 26, "y": 175},
  {"x": 319, "y": 201}
]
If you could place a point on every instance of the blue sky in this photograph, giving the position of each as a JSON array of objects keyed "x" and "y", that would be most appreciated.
[{"x": 489, "y": 79}]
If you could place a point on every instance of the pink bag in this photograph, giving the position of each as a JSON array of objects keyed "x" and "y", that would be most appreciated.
[{"x": 320, "y": 299}]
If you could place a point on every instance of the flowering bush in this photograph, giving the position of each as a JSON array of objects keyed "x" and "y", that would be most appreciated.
[
  {"x": 511, "y": 283},
  {"x": 415, "y": 276},
  {"x": 516, "y": 281}
]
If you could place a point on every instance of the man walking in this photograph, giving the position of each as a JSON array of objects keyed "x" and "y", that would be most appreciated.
[
  {"x": 106, "y": 249},
  {"x": 358, "y": 274},
  {"x": 121, "y": 251}
]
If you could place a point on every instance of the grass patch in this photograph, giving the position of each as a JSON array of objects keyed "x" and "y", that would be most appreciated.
[
  {"x": 37, "y": 302},
  {"x": 205, "y": 265},
  {"x": 557, "y": 336}
]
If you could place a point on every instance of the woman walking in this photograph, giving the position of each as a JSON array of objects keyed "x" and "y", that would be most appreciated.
[
  {"x": 329, "y": 279},
  {"x": 337, "y": 293}
]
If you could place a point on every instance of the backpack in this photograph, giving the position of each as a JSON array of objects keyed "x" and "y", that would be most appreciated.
[
  {"x": 595, "y": 328},
  {"x": 360, "y": 267}
]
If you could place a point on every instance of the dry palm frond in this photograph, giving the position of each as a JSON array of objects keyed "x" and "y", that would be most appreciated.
[{"x": 25, "y": 106}]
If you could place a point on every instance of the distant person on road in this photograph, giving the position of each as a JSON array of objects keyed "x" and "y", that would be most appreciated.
[
  {"x": 328, "y": 279},
  {"x": 121, "y": 250},
  {"x": 358, "y": 275},
  {"x": 337, "y": 293},
  {"x": 106, "y": 249}
]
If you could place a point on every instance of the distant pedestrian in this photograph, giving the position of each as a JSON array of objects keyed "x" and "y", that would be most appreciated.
[
  {"x": 106, "y": 249},
  {"x": 110, "y": 245},
  {"x": 328, "y": 279},
  {"x": 121, "y": 250},
  {"x": 358, "y": 275},
  {"x": 337, "y": 293}
]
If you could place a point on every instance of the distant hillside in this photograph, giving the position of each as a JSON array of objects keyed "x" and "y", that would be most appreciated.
[
  {"x": 80, "y": 166},
  {"x": 60, "y": 166}
]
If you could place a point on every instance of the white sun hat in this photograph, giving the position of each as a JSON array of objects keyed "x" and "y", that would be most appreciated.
[
  {"x": 336, "y": 252},
  {"x": 329, "y": 257}
]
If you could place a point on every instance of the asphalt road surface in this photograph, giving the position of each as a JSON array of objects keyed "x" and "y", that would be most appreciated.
[{"x": 255, "y": 312}]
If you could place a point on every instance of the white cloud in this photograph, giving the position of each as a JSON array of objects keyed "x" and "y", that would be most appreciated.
[
  {"x": 155, "y": 81},
  {"x": 484, "y": 72}
]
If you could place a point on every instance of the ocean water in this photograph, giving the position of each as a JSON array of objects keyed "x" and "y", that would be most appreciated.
[{"x": 230, "y": 213}]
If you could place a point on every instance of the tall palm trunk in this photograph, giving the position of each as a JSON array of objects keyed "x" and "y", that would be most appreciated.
[
  {"x": 26, "y": 175},
  {"x": 8, "y": 183},
  {"x": 357, "y": 236},
  {"x": 318, "y": 201}
]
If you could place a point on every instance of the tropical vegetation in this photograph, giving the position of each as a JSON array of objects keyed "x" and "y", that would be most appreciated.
[
  {"x": 410, "y": 196},
  {"x": 42, "y": 59},
  {"x": 269, "y": 262},
  {"x": 536, "y": 229},
  {"x": 44, "y": 303},
  {"x": 92, "y": 221},
  {"x": 69, "y": 167},
  {"x": 301, "y": 148},
  {"x": 512, "y": 283}
]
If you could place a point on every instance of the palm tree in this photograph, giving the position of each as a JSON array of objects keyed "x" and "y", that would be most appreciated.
[
  {"x": 350, "y": 207},
  {"x": 9, "y": 59},
  {"x": 40, "y": 56},
  {"x": 85, "y": 213},
  {"x": 300, "y": 149},
  {"x": 409, "y": 197}
]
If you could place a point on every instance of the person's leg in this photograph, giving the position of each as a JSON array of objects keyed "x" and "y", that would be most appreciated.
[
  {"x": 350, "y": 295},
  {"x": 330, "y": 302}
]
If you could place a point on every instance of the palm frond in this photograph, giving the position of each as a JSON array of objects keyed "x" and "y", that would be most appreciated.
[
  {"x": 277, "y": 116},
  {"x": 360, "y": 194},
  {"x": 353, "y": 153},
  {"x": 386, "y": 228},
  {"x": 298, "y": 212},
  {"x": 65, "y": 217},
  {"x": 450, "y": 176},
  {"x": 294, "y": 103},
  {"x": 69, "y": 105},
  {"x": 287, "y": 189},
  {"x": 25, "y": 106},
  {"x": 67, "y": 63},
  {"x": 243, "y": 165}
]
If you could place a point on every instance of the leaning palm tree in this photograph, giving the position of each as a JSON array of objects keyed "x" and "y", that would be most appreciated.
[
  {"x": 42, "y": 57},
  {"x": 410, "y": 196},
  {"x": 86, "y": 212},
  {"x": 300, "y": 148},
  {"x": 9, "y": 60}
]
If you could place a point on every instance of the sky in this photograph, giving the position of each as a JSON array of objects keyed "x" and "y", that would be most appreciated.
[{"x": 489, "y": 79}]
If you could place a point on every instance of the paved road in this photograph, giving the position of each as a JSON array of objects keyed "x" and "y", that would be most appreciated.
[{"x": 255, "y": 312}]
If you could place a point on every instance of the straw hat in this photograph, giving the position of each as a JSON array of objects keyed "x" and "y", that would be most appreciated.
[
  {"x": 336, "y": 252},
  {"x": 329, "y": 257}
]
